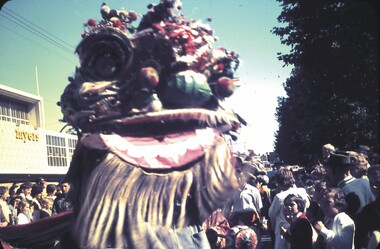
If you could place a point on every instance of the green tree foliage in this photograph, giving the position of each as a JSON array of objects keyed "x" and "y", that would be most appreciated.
[{"x": 333, "y": 91}]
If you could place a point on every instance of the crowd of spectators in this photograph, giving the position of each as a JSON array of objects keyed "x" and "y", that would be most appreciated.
[
  {"x": 23, "y": 203},
  {"x": 334, "y": 204}
]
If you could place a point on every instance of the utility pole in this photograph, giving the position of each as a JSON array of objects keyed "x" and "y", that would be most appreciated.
[{"x": 38, "y": 86}]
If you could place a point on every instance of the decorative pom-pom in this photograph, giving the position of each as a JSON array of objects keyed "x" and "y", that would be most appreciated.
[
  {"x": 115, "y": 22},
  {"x": 132, "y": 15},
  {"x": 105, "y": 10},
  {"x": 149, "y": 77},
  {"x": 225, "y": 86},
  {"x": 113, "y": 13},
  {"x": 91, "y": 22},
  {"x": 122, "y": 14},
  {"x": 123, "y": 27}
]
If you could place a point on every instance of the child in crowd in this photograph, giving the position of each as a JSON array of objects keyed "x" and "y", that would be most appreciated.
[
  {"x": 300, "y": 233},
  {"x": 23, "y": 213},
  {"x": 47, "y": 206},
  {"x": 339, "y": 228}
]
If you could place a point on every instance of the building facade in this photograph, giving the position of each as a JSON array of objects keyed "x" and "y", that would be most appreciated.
[{"x": 27, "y": 149}]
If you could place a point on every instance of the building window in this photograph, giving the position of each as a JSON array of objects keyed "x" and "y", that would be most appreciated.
[
  {"x": 72, "y": 145},
  {"x": 13, "y": 112},
  {"x": 59, "y": 150},
  {"x": 56, "y": 151}
]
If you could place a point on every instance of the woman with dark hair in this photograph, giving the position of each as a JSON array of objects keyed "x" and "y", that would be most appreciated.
[
  {"x": 339, "y": 228},
  {"x": 285, "y": 185},
  {"x": 36, "y": 201},
  {"x": 284, "y": 179},
  {"x": 36, "y": 194},
  {"x": 300, "y": 233}
]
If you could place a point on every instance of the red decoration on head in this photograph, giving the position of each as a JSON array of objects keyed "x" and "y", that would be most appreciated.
[
  {"x": 149, "y": 77},
  {"x": 91, "y": 22},
  {"x": 225, "y": 86}
]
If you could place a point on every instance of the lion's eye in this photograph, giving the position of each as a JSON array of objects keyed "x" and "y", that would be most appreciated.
[
  {"x": 105, "y": 55},
  {"x": 107, "y": 66}
]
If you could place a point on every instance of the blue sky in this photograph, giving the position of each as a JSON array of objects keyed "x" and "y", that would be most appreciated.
[{"x": 241, "y": 25}]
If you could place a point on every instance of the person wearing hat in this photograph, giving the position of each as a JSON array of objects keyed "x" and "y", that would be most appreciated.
[
  {"x": 358, "y": 192},
  {"x": 363, "y": 149}
]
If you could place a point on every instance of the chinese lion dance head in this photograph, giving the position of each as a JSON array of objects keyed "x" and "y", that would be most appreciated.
[{"x": 153, "y": 159}]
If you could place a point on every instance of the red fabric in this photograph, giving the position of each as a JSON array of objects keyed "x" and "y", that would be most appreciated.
[
  {"x": 303, "y": 216},
  {"x": 36, "y": 234}
]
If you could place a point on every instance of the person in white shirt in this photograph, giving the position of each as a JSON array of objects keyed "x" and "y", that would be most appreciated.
[
  {"x": 286, "y": 185},
  {"x": 339, "y": 228},
  {"x": 23, "y": 213}
]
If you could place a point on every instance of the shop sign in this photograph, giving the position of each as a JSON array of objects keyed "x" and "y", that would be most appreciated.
[{"x": 27, "y": 135}]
